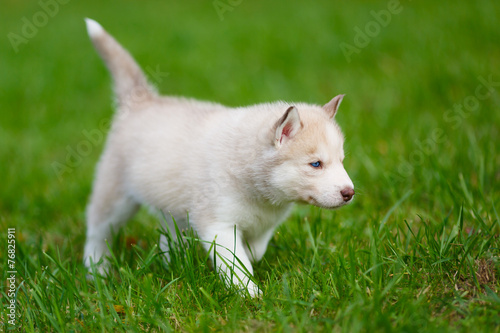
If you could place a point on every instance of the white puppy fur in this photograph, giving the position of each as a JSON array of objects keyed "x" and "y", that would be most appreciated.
[{"x": 235, "y": 171}]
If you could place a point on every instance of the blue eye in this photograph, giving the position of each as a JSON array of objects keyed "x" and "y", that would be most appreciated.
[{"x": 316, "y": 164}]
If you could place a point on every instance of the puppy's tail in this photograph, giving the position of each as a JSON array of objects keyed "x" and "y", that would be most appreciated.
[{"x": 130, "y": 83}]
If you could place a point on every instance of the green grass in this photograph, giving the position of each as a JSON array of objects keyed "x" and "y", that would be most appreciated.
[{"x": 418, "y": 249}]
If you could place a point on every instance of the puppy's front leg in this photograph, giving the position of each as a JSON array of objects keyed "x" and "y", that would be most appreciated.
[{"x": 230, "y": 258}]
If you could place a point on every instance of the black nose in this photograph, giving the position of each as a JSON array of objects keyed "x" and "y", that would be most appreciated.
[{"x": 347, "y": 193}]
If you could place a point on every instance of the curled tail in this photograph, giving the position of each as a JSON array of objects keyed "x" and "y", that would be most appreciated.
[{"x": 130, "y": 83}]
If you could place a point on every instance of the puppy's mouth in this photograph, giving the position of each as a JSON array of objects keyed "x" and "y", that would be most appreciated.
[{"x": 311, "y": 200}]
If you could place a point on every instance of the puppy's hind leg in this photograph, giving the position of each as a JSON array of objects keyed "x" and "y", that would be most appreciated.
[{"x": 109, "y": 208}]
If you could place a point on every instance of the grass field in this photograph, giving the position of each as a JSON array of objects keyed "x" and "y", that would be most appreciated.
[{"x": 417, "y": 250}]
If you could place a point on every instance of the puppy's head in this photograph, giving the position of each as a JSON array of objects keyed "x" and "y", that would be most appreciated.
[{"x": 310, "y": 154}]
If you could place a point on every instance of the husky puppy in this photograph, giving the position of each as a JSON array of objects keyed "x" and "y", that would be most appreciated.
[{"x": 235, "y": 171}]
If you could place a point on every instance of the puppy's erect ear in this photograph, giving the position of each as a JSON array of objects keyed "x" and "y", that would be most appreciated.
[
  {"x": 332, "y": 106},
  {"x": 287, "y": 127}
]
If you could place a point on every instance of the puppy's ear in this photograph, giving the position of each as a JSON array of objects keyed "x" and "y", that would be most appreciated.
[
  {"x": 332, "y": 106},
  {"x": 287, "y": 127}
]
